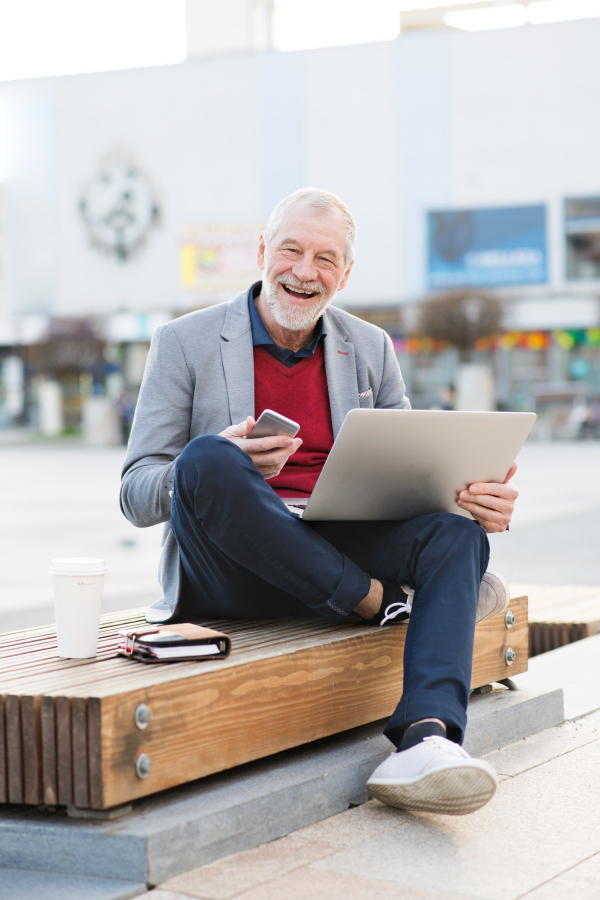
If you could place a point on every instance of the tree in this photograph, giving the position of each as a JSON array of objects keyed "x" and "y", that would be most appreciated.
[{"x": 460, "y": 317}]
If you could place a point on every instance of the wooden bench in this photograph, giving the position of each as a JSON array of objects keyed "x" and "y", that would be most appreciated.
[
  {"x": 559, "y": 614},
  {"x": 99, "y": 733}
]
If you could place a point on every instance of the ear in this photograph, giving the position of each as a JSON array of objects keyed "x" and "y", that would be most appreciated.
[
  {"x": 260, "y": 258},
  {"x": 345, "y": 277}
]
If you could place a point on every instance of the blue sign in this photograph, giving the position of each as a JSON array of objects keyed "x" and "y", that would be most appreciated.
[{"x": 487, "y": 247}]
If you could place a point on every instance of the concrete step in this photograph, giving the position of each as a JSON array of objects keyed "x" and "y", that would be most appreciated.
[
  {"x": 189, "y": 826},
  {"x": 16, "y": 884}
]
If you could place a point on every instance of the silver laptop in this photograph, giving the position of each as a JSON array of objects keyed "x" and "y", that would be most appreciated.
[{"x": 396, "y": 464}]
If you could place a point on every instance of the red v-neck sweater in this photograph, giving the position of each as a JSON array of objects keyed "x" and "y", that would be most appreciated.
[{"x": 300, "y": 393}]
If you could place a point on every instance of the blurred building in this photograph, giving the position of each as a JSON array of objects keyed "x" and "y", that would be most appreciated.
[{"x": 469, "y": 159}]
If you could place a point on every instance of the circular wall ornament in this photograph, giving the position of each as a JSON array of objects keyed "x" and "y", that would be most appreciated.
[{"x": 119, "y": 208}]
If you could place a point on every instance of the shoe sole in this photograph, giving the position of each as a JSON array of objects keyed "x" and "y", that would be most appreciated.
[
  {"x": 501, "y": 607},
  {"x": 453, "y": 791}
]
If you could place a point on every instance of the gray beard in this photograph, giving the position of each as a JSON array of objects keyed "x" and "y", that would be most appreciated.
[{"x": 292, "y": 317}]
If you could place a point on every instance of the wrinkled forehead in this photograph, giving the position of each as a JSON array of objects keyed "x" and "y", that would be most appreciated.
[{"x": 308, "y": 227}]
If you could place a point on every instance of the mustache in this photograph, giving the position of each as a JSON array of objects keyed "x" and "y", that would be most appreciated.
[{"x": 293, "y": 282}]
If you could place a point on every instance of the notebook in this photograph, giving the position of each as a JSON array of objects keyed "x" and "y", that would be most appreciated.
[{"x": 173, "y": 643}]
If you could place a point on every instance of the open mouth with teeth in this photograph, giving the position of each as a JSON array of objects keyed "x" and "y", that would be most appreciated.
[{"x": 298, "y": 293}]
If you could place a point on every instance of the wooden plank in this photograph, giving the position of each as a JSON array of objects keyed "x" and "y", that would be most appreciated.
[
  {"x": 562, "y": 604},
  {"x": 64, "y": 751},
  {"x": 282, "y": 702},
  {"x": 3, "y": 761},
  {"x": 493, "y": 639},
  {"x": 560, "y": 614},
  {"x": 95, "y": 752},
  {"x": 49, "y": 756},
  {"x": 286, "y": 700},
  {"x": 32, "y": 750},
  {"x": 81, "y": 792},
  {"x": 14, "y": 752}
]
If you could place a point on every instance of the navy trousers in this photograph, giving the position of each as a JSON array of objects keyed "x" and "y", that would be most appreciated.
[{"x": 246, "y": 557}]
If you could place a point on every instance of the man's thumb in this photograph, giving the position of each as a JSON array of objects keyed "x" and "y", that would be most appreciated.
[{"x": 242, "y": 428}]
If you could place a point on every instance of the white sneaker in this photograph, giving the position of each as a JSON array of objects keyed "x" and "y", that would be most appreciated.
[
  {"x": 434, "y": 776},
  {"x": 494, "y": 596}
]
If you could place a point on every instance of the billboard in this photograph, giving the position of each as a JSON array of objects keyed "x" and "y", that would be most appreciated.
[
  {"x": 487, "y": 247},
  {"x": 220, "y": 258}
]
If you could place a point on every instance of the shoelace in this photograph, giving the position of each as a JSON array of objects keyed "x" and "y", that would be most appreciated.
[
  {"x": 394, "y": 609},
  {"x": 446, "y": 746}
]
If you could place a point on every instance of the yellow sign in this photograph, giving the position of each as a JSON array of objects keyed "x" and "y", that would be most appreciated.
[{"x": 216, "y": 259}]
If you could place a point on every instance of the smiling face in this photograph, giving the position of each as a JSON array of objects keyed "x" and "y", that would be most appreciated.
[{"x": 304, "y": 265}]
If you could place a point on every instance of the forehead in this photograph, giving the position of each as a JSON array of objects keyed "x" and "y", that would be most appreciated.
[{"x": 321, "y": 230}]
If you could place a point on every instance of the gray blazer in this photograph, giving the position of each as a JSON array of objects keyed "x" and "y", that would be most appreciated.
[{"x": 198, "y": 380}]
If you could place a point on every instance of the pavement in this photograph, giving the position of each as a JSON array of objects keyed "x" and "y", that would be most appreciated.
[
  {"x": 539, "y": 838},
  {"x": 60, "y": 498}
]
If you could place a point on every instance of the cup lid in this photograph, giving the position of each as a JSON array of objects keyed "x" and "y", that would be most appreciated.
[{"x": 77, "y": 565}]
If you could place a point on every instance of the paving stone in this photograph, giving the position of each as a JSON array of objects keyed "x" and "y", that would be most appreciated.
[
  {"x": 540, "y": 823},
  {"x": 230, "y": 877},
  {"x": 306, "y": 883},
  {"x": 576, "y": 669},
  {"x": 540, "y": 748},
  {"x": 159, "y": 894},
  {"x": 581, "y": 882},
  {"x": 16, "y": 884},
  {"x": 355, "y": 825}
]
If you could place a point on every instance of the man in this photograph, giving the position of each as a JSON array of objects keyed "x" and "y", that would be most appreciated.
[{"x": 231, "y": 547}]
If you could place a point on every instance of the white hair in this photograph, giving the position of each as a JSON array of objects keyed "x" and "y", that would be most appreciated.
[{"x": 320, "y": 202}]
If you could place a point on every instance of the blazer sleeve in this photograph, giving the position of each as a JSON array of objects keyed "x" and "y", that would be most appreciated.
[
  {"x": 391, "y": 393},
  {"x": 160, "y": 431}
]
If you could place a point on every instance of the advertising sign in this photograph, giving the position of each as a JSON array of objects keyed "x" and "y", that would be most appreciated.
[
  {"x": 217, "y": 259},
  {"x": 487, "y": 247}
]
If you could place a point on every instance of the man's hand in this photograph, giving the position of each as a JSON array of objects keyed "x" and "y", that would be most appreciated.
[
  {"x": 492, "y": 504},
  {"x": 268, "y": 454}
]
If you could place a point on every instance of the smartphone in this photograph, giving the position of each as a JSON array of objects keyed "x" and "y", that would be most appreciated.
[{"x": 271, "y": 423}]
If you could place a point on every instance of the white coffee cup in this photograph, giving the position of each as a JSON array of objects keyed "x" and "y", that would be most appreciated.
[{"x": 78, "y": 584}]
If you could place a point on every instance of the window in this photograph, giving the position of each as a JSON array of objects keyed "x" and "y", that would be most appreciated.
[{"x": 582, "y": 233}]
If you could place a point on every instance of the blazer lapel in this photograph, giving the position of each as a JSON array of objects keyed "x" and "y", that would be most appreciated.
[
  {"x": 340, "y": 367},
  {"x": 238, "y": 359}
]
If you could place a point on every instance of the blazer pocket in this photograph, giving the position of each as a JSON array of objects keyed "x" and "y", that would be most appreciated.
[{"x": 365, "y": 398}]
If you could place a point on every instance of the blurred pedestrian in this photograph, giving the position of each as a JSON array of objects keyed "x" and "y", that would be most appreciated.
[{"x": 126, "y": 410}]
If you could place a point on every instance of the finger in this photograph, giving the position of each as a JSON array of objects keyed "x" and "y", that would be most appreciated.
[
  {"x": 270, "y": 473},
  {"x": 511, "y": 472},
  {"x": 241, "y": 429},
  {"x": 505, "y": 491},
  {"x": 266, "y": 444},
  {"x": 491, "y": 527},
  {"x": 496, "y": 517},
  {"x": 488, "y": 501},
  {"x": 491, "y": 522},
  {"x": 270, "y": 459}
]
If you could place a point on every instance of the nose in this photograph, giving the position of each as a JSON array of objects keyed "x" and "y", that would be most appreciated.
[{"x": 305, "y": 268}]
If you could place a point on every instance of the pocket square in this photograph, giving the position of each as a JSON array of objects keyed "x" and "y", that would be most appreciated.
[{"x": 365, "y": 394}]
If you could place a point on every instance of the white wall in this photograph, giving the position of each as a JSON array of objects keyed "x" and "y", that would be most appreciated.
[
  {"x": 525, "y": 124},
  {"x": 432, "y": 120}
]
